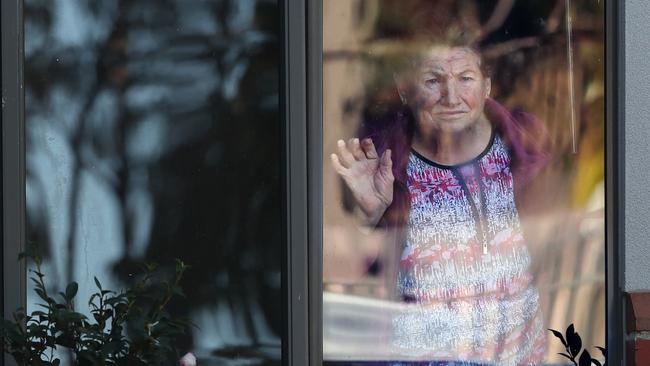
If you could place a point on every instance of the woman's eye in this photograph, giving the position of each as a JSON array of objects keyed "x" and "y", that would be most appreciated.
[
  {"x": 466, "y": 78},
  {"x": 432, "y": 81}
]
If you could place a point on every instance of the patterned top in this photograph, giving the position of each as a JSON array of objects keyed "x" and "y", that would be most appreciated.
[{"x": 465, "y": 265}]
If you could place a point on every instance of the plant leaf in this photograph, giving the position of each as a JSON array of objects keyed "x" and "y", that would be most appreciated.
[
  {"x": 574, "y": 341},
  {"x": 71, "y": 290},
  {"x": 585, "y": 359},
  {"x": 559, "y": 335},
  {"x": 41, "y": 294},
  {"x": 99, "y": 285},
  {"x": 570, "y": 330}
]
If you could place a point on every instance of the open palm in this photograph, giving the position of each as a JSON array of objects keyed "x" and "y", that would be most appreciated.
[{"x": 368, "y": 175}]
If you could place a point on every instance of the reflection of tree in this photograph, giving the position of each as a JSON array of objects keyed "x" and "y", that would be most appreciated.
[{"x": 172, "y": 113}]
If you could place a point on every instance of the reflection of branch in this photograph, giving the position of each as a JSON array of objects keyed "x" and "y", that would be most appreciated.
[
  {"x": 118, "y": 47},
  {"x": 555, "y": 18},
  {"x": 103, "y": 73},
  {"x": 37, "y": 223},
  {"x": 499, "y": 15},
  {"x": 377, "y": 51},
  {"x": 76, "y": 167},
  {"x": 505, "y": 48},
  {"x": 343, "y": 55}
]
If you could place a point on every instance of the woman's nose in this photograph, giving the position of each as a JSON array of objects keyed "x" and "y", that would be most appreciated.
[{"x": 450, "y": 93}]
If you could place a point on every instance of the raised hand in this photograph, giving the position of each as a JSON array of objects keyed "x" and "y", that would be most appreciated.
[{"x": 369, "y": 176}]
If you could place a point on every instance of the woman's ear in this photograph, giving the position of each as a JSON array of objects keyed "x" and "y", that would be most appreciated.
[{"x": 488, "y": 87}]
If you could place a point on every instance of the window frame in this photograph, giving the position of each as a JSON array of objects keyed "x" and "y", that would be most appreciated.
[
  {"x": 614, "y": 180},
  {"x": 295, "y": 277},
  {"x": 13, "y": 160},
  {"x": 301, "y": 91}
]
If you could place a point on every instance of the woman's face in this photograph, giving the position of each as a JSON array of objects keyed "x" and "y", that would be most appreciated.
[{"x": 446, "y": 89}]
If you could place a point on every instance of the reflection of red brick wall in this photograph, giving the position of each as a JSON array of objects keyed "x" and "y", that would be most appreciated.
[{"x": 638, "y": 327}]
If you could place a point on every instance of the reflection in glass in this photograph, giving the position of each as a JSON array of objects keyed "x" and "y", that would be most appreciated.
[
  {"x": 464, "y": 198},
  {"x": 153, "y": 133}
]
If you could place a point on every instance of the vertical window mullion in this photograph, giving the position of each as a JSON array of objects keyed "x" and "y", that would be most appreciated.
[
  {"x": 315, "y": 163},
  {"x": 13, "y": 158},
  {"x": 615, "y": 192},
  {"x": 296, "y": 205}
]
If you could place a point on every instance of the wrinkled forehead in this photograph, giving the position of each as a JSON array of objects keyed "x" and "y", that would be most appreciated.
[{"x": 448, "y": 59}]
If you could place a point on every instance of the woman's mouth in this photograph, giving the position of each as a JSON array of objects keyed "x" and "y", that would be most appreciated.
[{"x": 450, "y": 114}]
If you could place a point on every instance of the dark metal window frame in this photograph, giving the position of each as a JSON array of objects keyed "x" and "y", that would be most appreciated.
[
  {"x": 614, "y": 168},
  {"x": 13, "y": 159},
  {"x": 302, "y": 118}
]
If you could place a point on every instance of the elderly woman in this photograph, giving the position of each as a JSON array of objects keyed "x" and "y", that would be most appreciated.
[{"x": 445, "y": 170}]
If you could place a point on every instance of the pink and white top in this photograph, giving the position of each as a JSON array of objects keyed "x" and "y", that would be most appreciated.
[{"x": 465, "y": 265}]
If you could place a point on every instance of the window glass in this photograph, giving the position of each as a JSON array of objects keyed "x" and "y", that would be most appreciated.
[
  {"x": 153, "y": 133},
  {"x": 464, "y": 184}
]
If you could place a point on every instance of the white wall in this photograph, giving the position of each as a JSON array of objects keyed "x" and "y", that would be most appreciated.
[{"x": 637, "y": 145}]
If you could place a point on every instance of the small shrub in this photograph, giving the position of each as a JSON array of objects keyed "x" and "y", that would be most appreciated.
[{"x": 132, "y": 327}]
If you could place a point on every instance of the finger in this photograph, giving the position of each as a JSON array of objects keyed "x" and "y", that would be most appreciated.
[
  {"x": 355, "y": 148},
  {"x": 337, "y": 164},
  {"x": 386, "y": 164},
  {"x": 369, "y": 149},
  {"x": 345, "y": 156},
  {"x": 386, "y": 158}
]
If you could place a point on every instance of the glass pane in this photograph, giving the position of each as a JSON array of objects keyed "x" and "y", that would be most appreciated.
[
  {"x": 464, "y": 190},
  {"x": 153, "y": 133}
]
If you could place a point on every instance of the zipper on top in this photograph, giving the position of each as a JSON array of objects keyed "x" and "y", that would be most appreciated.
[{"x": 479, "y": 217}]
